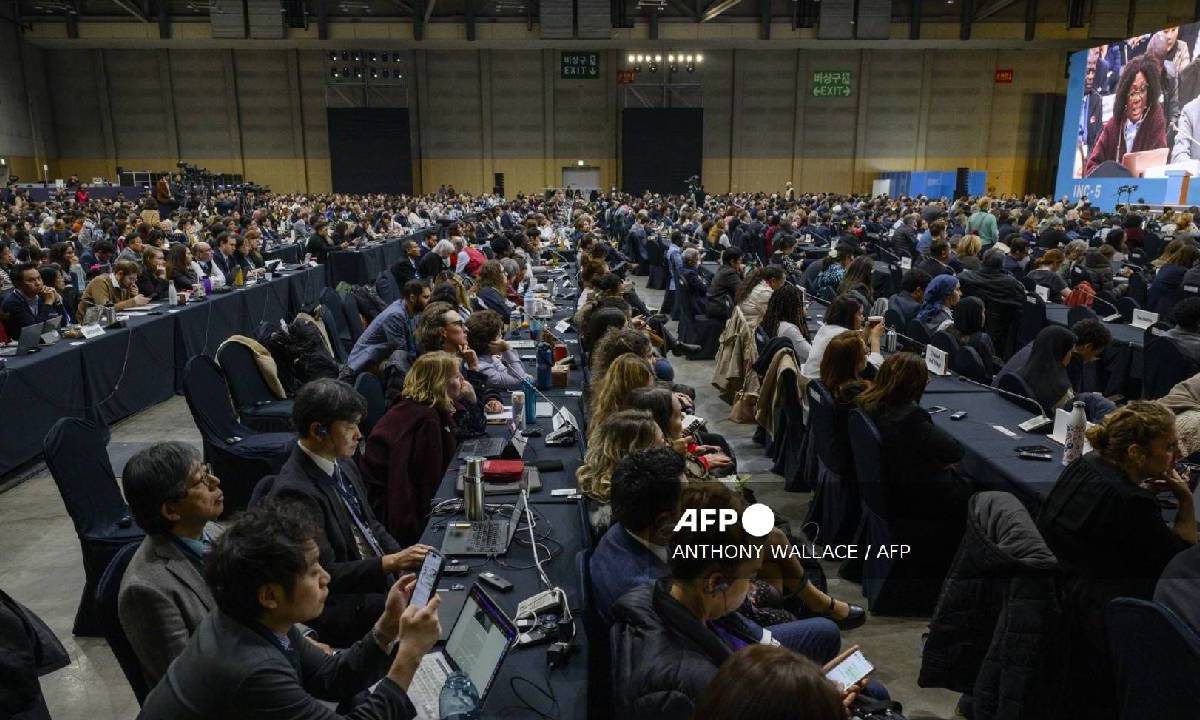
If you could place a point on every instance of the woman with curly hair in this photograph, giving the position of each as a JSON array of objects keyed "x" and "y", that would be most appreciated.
[{"x": 1138, "y": 122}]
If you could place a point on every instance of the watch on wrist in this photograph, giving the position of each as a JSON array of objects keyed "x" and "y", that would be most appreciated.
[{"x": 385, "y": 643}]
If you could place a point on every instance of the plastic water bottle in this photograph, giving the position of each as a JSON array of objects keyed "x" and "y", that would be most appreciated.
[
  {"x": 530, "y": 402},
  {"x": 459, "y": 700},
  {"x": 172, "y": 295},
  {"x": 545, "y": 360},
  {"x": 1076, "y": 426},
  {"x": 530, "y": 302}
]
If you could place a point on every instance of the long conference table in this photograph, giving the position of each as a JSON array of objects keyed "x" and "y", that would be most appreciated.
[{"x": 561, "y": 528}]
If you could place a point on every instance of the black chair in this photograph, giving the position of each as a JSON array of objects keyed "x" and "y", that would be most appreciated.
[
  {"x": 835, "y": 508},
  {"x": 1126, "y": 305},
  {"x": 261, "y": 490},
  {"x": 239, "y": 456},
  {"x": 257, "y": 406},
  {"x": 888, "y": 583},
  {"x": 333, "y": 317},
  {"x": 1030, "y": 323},
  {"x": 894, "y": 319},
  {"x": 1001, "y": 325},
  {"x": 969, "y": 364},
  {"x": 1153, "y": 245},
  {"x": 108, "y": 591},
  {"x": 1077, "y": 275},
  {"x": 599, "y": 685},
  {"x": 1137, "y": 288},
  {"x": 945, "y": 342},
  {"x": 1029, "y": 283},
  {"x": 1151, "y": 650},
  {"x": 351, "y": 317},
  {"x": 385, "y": 285},
  {"x": 1080, "y": 312},
  {"x": 76, "y": 454},
  {"x": 697, "y": 329},
  {"x": 1165, "y": 366},
  {"x": 917, "y": 331},
  {"x": 1015, "y": 384},
  {"x": 656, "y": 262},
  {"x": 369, "y": 386}
]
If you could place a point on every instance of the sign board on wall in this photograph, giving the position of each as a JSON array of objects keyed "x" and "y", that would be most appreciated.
[
  {"x": 1004, "y": 76},
  {"x": 579, "y": 65},
  {"x": 831, "y": 83},
  {"x": 626, "y": 77}
]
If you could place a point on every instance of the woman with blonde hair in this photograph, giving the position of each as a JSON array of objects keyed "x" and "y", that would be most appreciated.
[
  {"x": 491, "y": 289},
  {"x": 624, "y": 432},
  {"x": 627, "y": 372},
  {"x": 967, "y": 250},
  {"x": 412, "y": 445}
]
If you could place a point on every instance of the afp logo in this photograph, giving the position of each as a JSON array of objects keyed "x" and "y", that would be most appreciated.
[{"x": 758, "y": 519}]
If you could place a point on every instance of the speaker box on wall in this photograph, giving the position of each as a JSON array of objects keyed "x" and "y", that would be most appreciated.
[
  {"x": 961, "y": 182},
  {"x": 498, "y": 184}
]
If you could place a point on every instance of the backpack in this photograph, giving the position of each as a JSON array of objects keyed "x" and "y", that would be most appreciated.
[{"x": 1081, "y": 294}]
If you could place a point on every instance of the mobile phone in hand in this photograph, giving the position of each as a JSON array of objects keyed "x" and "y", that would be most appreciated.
[{"x": 431, "y": 571}]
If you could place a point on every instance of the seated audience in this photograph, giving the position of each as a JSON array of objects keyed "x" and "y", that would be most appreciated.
[
  {"x": 248, "y": 660},
  {"x": 624, "y": 432},
  {"x": 1103, "y": 521},
  {"x": 30, "y": 302},
  {"x": 768, "y": 682},
  {"x": 842, "y": 369},
  {"x": 669, "y": 638},
  {"x": 491, "y": 289},
  {"x": 966, "y": 252},
  {"x": 176, "y": 499},
  {"x": 937, "y": 306},
  {"x": 405, "y": 269},
  {"x": 359, "y": 554},
  {"x": 667, "y": 410},
  {"x": 1186, "y": 333},
  {"x": 1018, "y": 255},
  {"x": 413, "y": 444},
  {"x": 992, "y": 283},
  {"x": 1044, "y": 368},
  {"x": 180, "y": 268},
  {"x": 152, "y": 282},
  {"x": 969, "y": 318},
  {"x": 785, "y": 318},
  {"x": 844, "y": 313},
  {"x": 724, "y": 286},
  {"x": 696, "y": 283},
  {"x": 1165, "y": 291},
  {"x": 938, "y": 260},
  {"x": 610, "y": 390},
  {"x": 391, "y": 331},
  {"x": 857, "y": 280},
  {"x": 1047, "y": 273},
  {"x": 912, "y": 292},
  {"x": 755, "y": 292},
  {"x": 832, "y": 271},
  {"x": 118, "y": 288},
  {"x": 500, "y": 364}
]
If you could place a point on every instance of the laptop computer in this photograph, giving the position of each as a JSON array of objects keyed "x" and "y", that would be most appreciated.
[
  {"x": 50, "y": 330},
  {"x": 478, "y": 643},
  {"x": 31, "y": 337},
  {"x": 509, "y": 448},
  {"x": 483, "y": 537}
]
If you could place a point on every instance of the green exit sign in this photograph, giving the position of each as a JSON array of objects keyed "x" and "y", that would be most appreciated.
[{"x": 580, "y": 65}]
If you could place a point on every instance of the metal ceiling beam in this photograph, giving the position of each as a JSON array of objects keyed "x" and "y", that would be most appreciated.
[
  {"x": 470, "y": 21},
  {"x": 73, "y": 19},
  {"x": 429, "y": 10},
  {"x": 992, "y": 8},
  {"x": 653, "y": 23},
  {"x": 162, "y": 10},
  {"x": 718, "y": 7},
  {"x": 914, "y": 22},
  {"x": 682, "y": 7},
  {"x": 322, "y": 20},
  {"x": 132, "y": 9},
  {"x": 1031, "y": 11},
  {"x": 764, "y": 19},
  {"x": 964, "y": 23},
  {"x": 403, "y": 6}
]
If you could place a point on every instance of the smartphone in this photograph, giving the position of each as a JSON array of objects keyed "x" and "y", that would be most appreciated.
[
  {"x": 935, "y": 409},
  {"x": 431, "y": 571},
  {"x": 1034, "y": 449},
  {"x": 849, "y": 668}
]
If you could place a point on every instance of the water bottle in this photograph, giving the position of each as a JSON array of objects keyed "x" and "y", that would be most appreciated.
[
  {"x": 172, "y": 295},
  {"x": 545, "y": 360},
  {"x": 530, "y": 302},
  {"x": 1076, "y": 426},
  {"x": 890, "y": 341},
  {"x": 459, "y": 700},
  {"x": 518, "y": 408},
  {"x": 530, "y": 403}
]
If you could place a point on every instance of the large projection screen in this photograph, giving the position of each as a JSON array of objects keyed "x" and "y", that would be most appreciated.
[{"x": 1133, "y": 120}]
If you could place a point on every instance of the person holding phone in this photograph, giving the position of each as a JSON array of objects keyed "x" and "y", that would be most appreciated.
[
  {"x": 247, "y": 659},
  {"x": 769, "y": 683},
  {"x": 1103, "y": 522}
]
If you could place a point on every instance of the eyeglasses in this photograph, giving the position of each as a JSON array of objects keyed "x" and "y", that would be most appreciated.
[
  {"x": 1141, "y": 90},
  {"x": 208, "y": 478}
]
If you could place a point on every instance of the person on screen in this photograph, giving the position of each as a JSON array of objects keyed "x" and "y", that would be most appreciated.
[
  {"x": 1137, "y": 122},
  {"x": 1168, "y": 81},
  {"x": 1091, "y": 115}
]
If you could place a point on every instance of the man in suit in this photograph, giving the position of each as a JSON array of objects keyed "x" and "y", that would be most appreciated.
[
  {"x": 435, "y": 261},
  {"x": 357, "y": 551},
  {"x": 175, "y": 498},
  {"x": 223, "y": 257},
  {"x": 248, "y": 658},
  {"x": 1092, "y": 113},
  {"x": 391, "y": 330},
  {"x": 30, "y": 302},
  {"x": 912, "y": 293},
  {"x": 405, "y": 268}
]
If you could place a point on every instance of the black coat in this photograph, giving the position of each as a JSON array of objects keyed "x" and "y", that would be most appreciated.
[
  {"x": 997, "y": 632},
  {"x": 662, "y": 656},
  {"x": 357, "y": 585},
  {"x": 430, "y": 265},
  {"x": 403, "y": 270}
]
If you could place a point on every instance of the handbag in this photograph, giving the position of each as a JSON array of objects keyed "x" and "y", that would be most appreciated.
[
  {"x": 865, "y": 708},
  {"x": 745, "y": 406}
]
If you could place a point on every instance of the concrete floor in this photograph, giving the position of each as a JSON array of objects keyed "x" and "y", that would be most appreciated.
[{"x": 40, "y": 564}]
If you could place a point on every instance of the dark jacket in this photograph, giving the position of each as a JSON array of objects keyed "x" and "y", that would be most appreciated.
[
  {"x": 230, "y": 670},
  {"x": 492, "y": 299},
  {"x": 904, "y": 304},
  {"x": 620, "y": 564},
  {"x": 1166, "y": 290},
  {"x": 317, "y": 246},
  {"x": 662, "y": 656},
  {"x": 28, "y": 650},
  {"x": 403, "y": 270},
  {"x": 406, "y": 455},
  {"x": 997, "y": 631},
  {"x": 18, "y": 315},
  {"x": 152, "y": 286},
  {"x": 357, "y": 584},
  {"x": 697, "y": 287},
  {"x": 994, "y": 287},
  {"x": 430, "y": 265}
]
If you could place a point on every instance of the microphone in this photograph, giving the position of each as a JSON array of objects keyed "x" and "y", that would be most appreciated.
[{"x": 1034, "y": 423}]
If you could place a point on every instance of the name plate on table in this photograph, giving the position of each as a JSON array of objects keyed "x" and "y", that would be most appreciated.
[
  {"x": 935, "y": 360},
  {"x": 562, "y": 326},
  {"x": 91, "y": 331},
  {"x": 1191, "y": 289},
  {"x": 1043, "y": 292},
  {"x": 1143, "y": 319},
  {"x": 906, "y": 263}
]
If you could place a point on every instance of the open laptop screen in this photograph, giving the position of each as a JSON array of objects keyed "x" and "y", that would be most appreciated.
[{"x": 480, "y": 638}]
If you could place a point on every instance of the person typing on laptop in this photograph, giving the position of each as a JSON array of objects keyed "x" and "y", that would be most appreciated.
[
  {"x": 357, "y": 550},
  {"x": 247, "y": 659},
  {"x": 30, "y": 302},
  {"x": 118, "y": 287}
]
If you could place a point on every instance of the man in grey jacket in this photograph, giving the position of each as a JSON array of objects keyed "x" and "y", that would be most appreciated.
[{"x": 175, "y": 499}]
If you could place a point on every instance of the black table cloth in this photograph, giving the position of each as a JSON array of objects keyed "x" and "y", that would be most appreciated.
[{"x": 362, "y": 265}]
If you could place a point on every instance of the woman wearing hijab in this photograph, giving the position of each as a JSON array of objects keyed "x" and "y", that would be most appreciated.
[
  {"x": 941, "y": 295},
  {"x": 1138, "y": 122},
  {"x": 1045, "y": 372}
]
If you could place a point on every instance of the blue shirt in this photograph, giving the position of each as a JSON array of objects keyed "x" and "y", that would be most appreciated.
[
  {"x": 675, "y": 262},
  {"x": 391, "y": 330}
]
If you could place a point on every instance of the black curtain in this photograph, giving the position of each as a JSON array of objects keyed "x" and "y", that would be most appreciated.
[
  {"x": 369, "y": 150},
  {"x": 660, "y": 148}
]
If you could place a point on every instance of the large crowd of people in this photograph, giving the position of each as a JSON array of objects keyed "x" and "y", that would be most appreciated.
[{"x": 243, "y": 619}]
